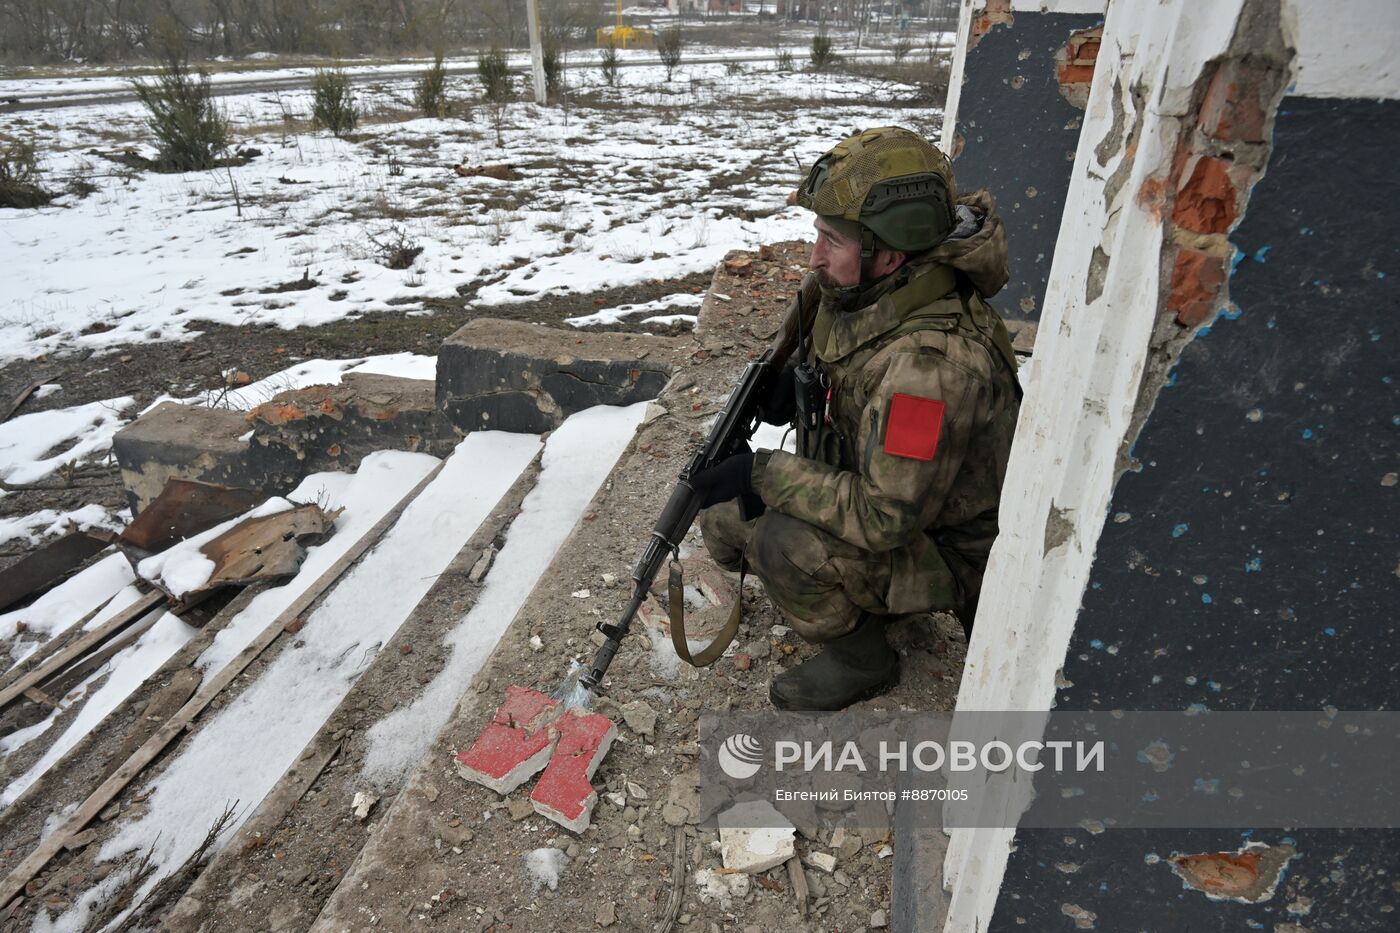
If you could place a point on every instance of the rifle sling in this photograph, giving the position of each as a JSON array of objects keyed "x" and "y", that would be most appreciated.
[{"x": 712, "y": 652}]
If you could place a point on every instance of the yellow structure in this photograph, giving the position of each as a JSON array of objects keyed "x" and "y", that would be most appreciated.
[{"x": 625, "y": 37}]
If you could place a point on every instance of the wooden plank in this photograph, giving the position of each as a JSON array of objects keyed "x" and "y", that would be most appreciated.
[
  {"x": 40, "y": 697},
  {"x": 40, "y": 570},
  {"x": 67, "y": 679},
  {"x": 21, "y": 399},
  {"x": 81, "y": 646},
  {"x": 798, "y": 877},
  {"x": 98, "y": 800},
  {"x": 51, "y": 646}
]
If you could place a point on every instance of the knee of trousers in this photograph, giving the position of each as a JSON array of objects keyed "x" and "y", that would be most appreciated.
[
  {"x": 802, "y": 577},
  {"x": 726, "y": 534}
]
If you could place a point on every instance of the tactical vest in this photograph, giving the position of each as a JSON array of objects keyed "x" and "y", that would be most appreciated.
[{"x": 940, "y": 299}]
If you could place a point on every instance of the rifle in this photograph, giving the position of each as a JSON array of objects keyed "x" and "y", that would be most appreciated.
[{"x": 730, "y": 435}]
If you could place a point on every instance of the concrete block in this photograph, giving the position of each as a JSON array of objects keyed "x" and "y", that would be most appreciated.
[
  {"x": 515, "y": 744},
  {"x": 754, "y": 837},
  {"x": 565, "y": 791},
  {"x": 333, "y": 427},
  {"x": 511, "y": 376},
  {"x": 174, "y": 441}
]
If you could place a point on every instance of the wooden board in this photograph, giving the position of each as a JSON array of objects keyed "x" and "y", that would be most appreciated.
[{"x": 106, "y": 792}]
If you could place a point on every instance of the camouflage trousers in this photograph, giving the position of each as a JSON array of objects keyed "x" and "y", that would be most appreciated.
[{"x": 822, "y": 584}]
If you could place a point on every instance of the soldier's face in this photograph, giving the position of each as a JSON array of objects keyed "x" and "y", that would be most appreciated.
[{"x": 836, "y": 258}]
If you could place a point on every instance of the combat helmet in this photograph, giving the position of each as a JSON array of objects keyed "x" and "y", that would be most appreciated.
[{"x": 888, "y": 187}]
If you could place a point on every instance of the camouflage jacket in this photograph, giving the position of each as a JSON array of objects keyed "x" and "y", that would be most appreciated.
[{"x": 923, "y": 403}]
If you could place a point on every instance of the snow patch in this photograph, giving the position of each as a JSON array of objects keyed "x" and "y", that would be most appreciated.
[
  {"x": 544, "y": 866},
  {"x": 76, "y": 433},
  {"x": 578, "y": 457},
  {"x": 236, "y": 755}
]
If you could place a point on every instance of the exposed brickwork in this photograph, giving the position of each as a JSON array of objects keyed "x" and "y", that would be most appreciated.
[
  {"x": 1220, "y": 155},
  {"x": 1234, "y": 107},
  {"x": 1197, "y": 278},
  {"x": 1206, "y": 202},
  {"x": 995, "y": 13},
  {"x": 1074, "y": 64}
]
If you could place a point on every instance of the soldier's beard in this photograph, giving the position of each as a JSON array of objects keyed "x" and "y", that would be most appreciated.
[{"x": 846, "y": 298}]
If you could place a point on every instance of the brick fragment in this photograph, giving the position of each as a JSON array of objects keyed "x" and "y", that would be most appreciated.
[
  {"x": 515, "y": 744},
  {"x": 565, "y": 791},
  {"x": 1196, "y": 280},
  {"x": 1234, "y": 105},
  {"x": 1205, "y": 202}
]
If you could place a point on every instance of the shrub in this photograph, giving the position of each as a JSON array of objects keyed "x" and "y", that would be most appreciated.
[
  {"x": 608, "y": 62},
  {"x": 785, "y": 60},
  {"x": 552, "y": 53},
  {"x": 668, "y": 48},
  {"x": 902, "y": 48},
  {"x": 494, "y": 72},
  {"x": 20, "y": 175},
  {"x": 430, "y": 93},
  {"x": 191, "y": 131},
  {"x": 823, "y": 51},
  {"x": 333, "y": 102}
]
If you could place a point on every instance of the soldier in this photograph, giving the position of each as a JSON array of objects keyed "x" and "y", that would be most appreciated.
[{"x": 889, "y": 507}]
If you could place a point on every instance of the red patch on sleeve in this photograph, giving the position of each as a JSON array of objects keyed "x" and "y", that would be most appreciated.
[{"x": 913, "y": 427}]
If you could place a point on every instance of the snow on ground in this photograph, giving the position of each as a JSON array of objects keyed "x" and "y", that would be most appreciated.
[
  {"x": 49, "y": 523},
  {"x": 235, "y": 756},
  {"x": 125, "y": 596},
  {"x": 129, "y": 669},
  {"x": 578, "y": 457},
  {"x": 622, "y": 312},
  {"x": 35, "y": 445},
  {"x": 62, "y": 606},
  {"x": 650, "y": 180},
  {"x": 311, "y": 373}
]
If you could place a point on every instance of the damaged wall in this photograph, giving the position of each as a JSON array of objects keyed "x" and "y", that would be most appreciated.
[
  {"x": 1016, "y": 101},
  {"x": 1199, "y": 508}
]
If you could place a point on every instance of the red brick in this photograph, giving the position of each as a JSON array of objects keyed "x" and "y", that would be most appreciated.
[
  {"x": 1233, "y": 109},
  {"x": 515, "y": 744},
  {"x": 565, "y": 791},
  {"x": 1073, "y": 73},
  {"x": 1089, "y": 51},
  {"x": 1196, "y": 280},
  {"x": 1205, "y": 202}
]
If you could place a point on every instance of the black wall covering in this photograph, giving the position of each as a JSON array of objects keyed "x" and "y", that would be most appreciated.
[
  {"x": 1019, "y": 136},
  {"x": 1252, "y": 562}
]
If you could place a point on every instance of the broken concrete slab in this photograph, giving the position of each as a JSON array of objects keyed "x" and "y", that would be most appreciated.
[
  {"x": 754, "y": 837},
  {"x": 333, "y": 427},
  {"x": 511, "y": 376},
  {"x": 565, "y": 792},
  {"x": 208, "y": 445},
  {"x": 269, "y": 449},
  {"x": 516, "y": 743}
]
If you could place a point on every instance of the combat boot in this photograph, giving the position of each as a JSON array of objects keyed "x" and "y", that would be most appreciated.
[{"x": 849, "y": 668}]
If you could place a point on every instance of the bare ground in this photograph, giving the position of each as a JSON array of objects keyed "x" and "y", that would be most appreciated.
[{"x": 436, "y": 851}]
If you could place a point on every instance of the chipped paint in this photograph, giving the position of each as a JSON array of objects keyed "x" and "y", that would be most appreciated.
[{"x": 1246, "y": 876}]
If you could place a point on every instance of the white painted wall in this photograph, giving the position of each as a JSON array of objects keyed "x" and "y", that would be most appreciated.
[
  {"x": 955, "y": 76},
  {"x": 1346, "y": 48},
  {"x": 1090, "y": 359},
  {"x": 1092, "y": 355}
]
